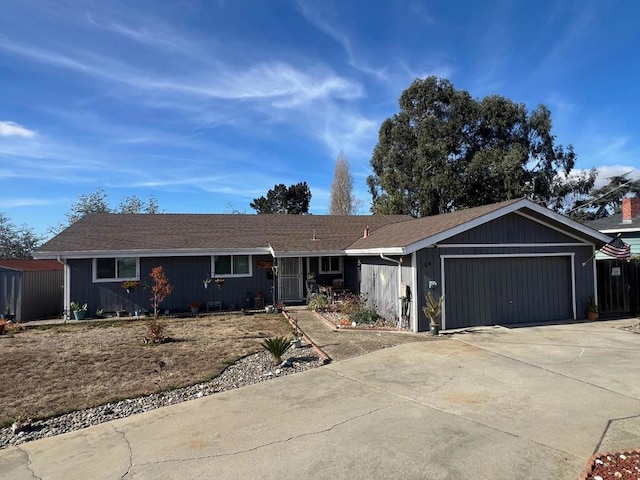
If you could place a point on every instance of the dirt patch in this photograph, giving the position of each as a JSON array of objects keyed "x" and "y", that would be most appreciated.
[{"x": 52, "y": 370}]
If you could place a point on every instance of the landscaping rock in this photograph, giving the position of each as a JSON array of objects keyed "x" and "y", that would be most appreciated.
[{"x": 246, "y": 371}]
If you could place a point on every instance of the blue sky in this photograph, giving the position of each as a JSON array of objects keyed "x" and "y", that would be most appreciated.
[{"x": 205, "y": 105}]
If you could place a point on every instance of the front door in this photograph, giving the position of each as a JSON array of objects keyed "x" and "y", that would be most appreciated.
[{"x": 290, "y": 279}]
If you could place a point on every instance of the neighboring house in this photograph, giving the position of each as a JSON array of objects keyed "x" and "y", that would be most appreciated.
[
  {"x": 506, "y": 263},
  {"x": 31, "y": 289},
  {"x": 619, "y": 280}
]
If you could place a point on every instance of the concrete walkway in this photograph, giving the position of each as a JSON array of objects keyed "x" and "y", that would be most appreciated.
[
  {"x": 344, "y": 344},
  {"x": 529, "y": 403}
]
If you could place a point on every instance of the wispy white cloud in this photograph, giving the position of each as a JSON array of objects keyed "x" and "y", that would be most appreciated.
[
  {"x": 12, "y": 129},
  {"x": 316, "y": 18}
]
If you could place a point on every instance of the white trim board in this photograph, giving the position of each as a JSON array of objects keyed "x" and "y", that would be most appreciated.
[
  {"x": 507, "y": 255},
  {"x": 509, "y": 245}
]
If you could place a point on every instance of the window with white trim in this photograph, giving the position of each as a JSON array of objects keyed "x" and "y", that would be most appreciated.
[
  {"x": 330, "y": 264},
  {"x": 232, "y": 266},
  {"x": 116, "y": 269}
]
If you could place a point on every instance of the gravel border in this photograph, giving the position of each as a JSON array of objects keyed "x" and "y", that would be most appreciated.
[{"x": 254, "y": 368}]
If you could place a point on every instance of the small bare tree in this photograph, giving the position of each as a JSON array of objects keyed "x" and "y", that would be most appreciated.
[
  {"x": 342, "y": 200},
  {"x": 160, "y": 290}
]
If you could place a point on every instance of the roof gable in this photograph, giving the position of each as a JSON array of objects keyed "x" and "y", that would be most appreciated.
[{"x": 427, "y": 231}]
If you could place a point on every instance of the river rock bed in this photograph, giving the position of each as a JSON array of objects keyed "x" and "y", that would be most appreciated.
[{"x": 249, "y": 370}]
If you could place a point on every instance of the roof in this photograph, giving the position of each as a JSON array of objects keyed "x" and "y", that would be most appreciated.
[
  {"x": 428, "y": 231},
  {"x": 107, "y": 234},
  {"x": 30, "y": 265},
  {"x": 190, "y": 234},
  {"x": 614, "y": 224}
]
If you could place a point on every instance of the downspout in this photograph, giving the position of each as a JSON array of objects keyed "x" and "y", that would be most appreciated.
[
  {"x": 398, "y": 300},
  {"x": 66, "y": 293}
]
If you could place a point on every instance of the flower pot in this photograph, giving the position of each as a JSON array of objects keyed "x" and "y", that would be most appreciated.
[
  {"x": 79, "y": 314},
  {"x": 434, "y": 329},
  {"x": 592, "y": 316},
  {"x": 194, "y": 309}
]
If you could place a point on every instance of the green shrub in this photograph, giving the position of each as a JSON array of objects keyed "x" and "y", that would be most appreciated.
[
  {"x": 320, "y": 303},
  {"x": 276, "y": 346},
  {"x": 365, "y": 316}
]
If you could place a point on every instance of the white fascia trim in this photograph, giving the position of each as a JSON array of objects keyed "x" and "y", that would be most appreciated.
[
  {"x": 498, "y": 255},
  {"x": 509, "y": 245},
  {"x": 621, "y": 230},
  {"x": 376, "y": 251},
  {"x": 320, "y": 253},
  {"x": 154, "y": 253}
]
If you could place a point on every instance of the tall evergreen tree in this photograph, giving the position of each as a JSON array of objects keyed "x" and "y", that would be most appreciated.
[
  {"x": 445, "y": 150},
  {"x": 342, "y": 201},
  {"x": 294, "y": 199}
]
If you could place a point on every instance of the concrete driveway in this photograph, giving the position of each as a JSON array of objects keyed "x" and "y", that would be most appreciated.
[{"x": 527, "y": 403}]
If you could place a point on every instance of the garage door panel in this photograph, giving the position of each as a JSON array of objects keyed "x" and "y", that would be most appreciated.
[{"x": 489, "y": 291}]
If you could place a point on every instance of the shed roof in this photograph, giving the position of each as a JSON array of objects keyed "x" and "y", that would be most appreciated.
[{"x": 30, "y": 265}]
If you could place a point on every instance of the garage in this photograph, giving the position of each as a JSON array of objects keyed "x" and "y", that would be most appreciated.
[{"x": 507, "y": 289}]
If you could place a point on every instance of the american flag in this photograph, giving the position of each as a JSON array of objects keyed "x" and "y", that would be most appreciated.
[{"x": 617, "y": 248}]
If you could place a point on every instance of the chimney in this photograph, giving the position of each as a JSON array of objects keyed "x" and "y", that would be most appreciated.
[
  {"x": 366, "y": 232},
  {"x": 630, "y": 209}
]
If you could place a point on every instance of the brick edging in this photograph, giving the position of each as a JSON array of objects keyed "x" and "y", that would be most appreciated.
[
  {"x": 588, "y": 469},
  {"x": 325, "y": 358}
]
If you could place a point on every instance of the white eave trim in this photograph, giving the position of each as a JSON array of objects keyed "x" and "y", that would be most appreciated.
[
  {"x": 318, "y": 253},
  {"x": 376, "y": 251},
  {"x": 621, "y": 230},
  {"x": 191, "y": 252}
]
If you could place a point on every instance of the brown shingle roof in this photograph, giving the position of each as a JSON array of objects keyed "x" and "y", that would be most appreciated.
[
  {"x": 403, "y": 235},
  {"x": 284, "y": 233}
]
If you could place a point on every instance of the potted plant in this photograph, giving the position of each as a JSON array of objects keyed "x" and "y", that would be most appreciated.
[
  {"x": 219, "y": 282},
  {"x": 592, "y": 309},
  {"x": 206, "y": 282},
  {"x": 195, "y": 306},
  {"x": 79, "y": 311},
  {"x": 130, "y": 285},
  {"x": 432, "y": 311}
]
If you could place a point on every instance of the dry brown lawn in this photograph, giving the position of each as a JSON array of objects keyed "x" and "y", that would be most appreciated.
[{"x": 57, "y": 369}]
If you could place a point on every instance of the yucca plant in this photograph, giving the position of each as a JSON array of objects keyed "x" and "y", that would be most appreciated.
[
  {"x": 276, "y": 346},
  {"x": 432, "y": 310}
]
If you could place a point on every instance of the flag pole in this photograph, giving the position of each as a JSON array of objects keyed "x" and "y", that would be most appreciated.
[{"x": 594, "y": 253}]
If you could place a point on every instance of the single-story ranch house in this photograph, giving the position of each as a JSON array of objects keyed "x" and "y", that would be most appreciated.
[{"x": 506, "y": 263}]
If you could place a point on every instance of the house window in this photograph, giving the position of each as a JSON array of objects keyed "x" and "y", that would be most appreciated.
[
  {"x": 114, "y": 269},
  {"x": 232, "y": 265},
  {"x": 330, "y": 265}
]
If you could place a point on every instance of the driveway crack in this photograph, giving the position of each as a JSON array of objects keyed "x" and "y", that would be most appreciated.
[
  {"x": 126, "y": 440},
  {"x": 28, "y": 464},
  {"x": 275, "y": 442},
  {"x": 442, "y": 410}
]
